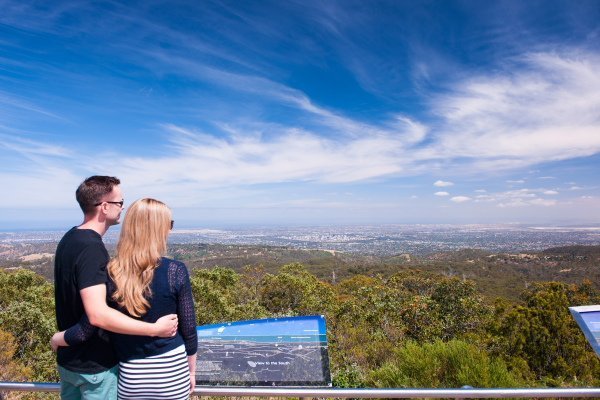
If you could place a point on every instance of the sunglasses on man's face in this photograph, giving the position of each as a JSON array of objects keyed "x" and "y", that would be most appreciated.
[{"x": 120, "y": 203}]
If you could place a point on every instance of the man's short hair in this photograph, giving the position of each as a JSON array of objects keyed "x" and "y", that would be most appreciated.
[{"x": 93, "y": 189}]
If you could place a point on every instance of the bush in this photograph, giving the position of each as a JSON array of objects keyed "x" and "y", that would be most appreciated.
[{"x": 442, "y": 364}]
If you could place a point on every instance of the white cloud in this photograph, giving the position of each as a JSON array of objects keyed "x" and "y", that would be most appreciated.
[
  {"x": 460, "y": 199},
  {"x": 480, "y": 191},
  {"x": 484, "y": 198},
  {"x": 516, "y": 181},
  {"x": 575, "y": 188},
  {"x": 197, "y": 161},
  {"x": 520, "y": 117},
  {"x": 524, "y": 197},
  {"x": 513, "y": 203},
  {"x": 543, "y": 202},
  {"x": 11, "y": 101},
  {"x": 291, "y": 156},
  {"x": 510, "y": 119},
  {"x": 441, "y": 183},
  {"x": 29, "y": 148},
  {"x": 520, "y": 193},
  {"x": 51, "y": 187},
  {"x": 441, "y": 193}
]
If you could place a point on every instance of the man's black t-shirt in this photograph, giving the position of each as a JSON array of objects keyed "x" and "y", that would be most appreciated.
[{"x": 80, "y": 262}]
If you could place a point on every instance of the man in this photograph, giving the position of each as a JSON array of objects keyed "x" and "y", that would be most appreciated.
[{"x": 89, "y": 370}]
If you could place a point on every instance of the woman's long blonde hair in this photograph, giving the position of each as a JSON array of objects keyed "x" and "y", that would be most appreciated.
[{"x": 143, "y": 241}]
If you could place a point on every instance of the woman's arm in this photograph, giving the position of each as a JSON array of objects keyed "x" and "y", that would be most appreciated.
[
  {"x": 192, "y": 365},
  {"x": 185, "y": 308},
  {"x": 58, "y": 340},
  {"x": 82, "y": 331},
  {"x": 187, "y": 316}
]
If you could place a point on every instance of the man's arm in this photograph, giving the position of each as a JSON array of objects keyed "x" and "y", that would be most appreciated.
[{"x": 102, "y": 316}]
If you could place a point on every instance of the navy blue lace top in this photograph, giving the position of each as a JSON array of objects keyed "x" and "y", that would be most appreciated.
[{"x": 171, "y": 294}]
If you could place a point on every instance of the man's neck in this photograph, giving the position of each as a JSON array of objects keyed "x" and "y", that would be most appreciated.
[{"x": 94, "y": 225}]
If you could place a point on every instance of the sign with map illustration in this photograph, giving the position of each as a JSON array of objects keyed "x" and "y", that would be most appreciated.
[
  {"x": 266, "y": 352},
  {"x": 588, "y": 318}
]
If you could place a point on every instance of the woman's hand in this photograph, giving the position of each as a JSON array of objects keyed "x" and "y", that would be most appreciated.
[
  {"x": 192, "y": 366},
  {"x": 165, "y": 326},
  {"x": 58, "y": 340},
  {"x": 192, "y": 383}
]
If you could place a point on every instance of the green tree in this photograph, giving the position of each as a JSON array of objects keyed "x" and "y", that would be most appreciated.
[
  {"x": 543, "y": 333},
  {"x": 295, "y": 291},
  {"x": 461, "y": 309},
  {"x": 366, "y": 324},
  {"x": 11, "y": 369},
  {"x": 27, "y": 313},
  {"x": 220, "y": 296}
]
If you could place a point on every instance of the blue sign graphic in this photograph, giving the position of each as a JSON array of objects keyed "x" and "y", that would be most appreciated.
[{"x": 289, "y": 351}]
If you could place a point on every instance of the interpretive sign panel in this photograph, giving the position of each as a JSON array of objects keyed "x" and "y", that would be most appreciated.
[
  {"x": 266, "y": 352},
  {"x": 588, "y": 318}
]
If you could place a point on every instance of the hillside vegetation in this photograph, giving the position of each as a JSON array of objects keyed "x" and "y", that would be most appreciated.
[
  {"x": 408, "y": 327},
  {"x": 495, "y": 274}
]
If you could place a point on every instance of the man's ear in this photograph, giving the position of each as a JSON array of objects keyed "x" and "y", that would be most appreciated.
[{"x": 101, "y": 212}]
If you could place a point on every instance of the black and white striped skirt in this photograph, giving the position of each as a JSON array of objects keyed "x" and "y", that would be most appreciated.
[{"x": 165, "y": 376}]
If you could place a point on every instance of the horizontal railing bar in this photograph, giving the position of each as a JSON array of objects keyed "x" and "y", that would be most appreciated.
[
  {"x": 397, "y": 393},
  {"x": 347, "y": 393},
  {"x": 29, "y": 387}
]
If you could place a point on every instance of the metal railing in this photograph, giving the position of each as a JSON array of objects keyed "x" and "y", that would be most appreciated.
[{"x": 348, "y": 393}]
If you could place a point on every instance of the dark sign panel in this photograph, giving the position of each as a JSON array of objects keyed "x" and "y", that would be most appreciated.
[
  {"x": 588, "y": 319},
  {"x": 266, "y": 352}
]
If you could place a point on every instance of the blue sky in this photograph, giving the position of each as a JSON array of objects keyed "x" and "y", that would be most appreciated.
[{"x": 302, "y": 112}]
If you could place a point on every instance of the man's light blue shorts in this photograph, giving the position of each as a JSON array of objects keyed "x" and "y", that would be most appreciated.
[{"x": 100, "y": 386}]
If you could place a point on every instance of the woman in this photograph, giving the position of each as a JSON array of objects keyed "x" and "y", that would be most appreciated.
[{"x": 146, "y": 285}]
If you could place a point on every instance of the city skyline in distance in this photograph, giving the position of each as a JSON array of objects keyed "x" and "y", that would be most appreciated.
[
  {"x": 376, "y": 240},
  {"x": 300, "y": 114}
]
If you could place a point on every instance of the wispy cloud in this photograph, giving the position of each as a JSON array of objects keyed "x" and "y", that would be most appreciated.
[
  {"x": 484, "y": 198},
  {"x": 12, "y": 142},
  {"x": 198, "y": 161},
  {"x": 34, "y": 169},
  {"x": 245, "y": 123},
  {"x": 522, "y": 198},
  {"x": 522, "y": 116},
  {"x": 11, "y": 101},
  {"x": 354, "y": 150}
]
